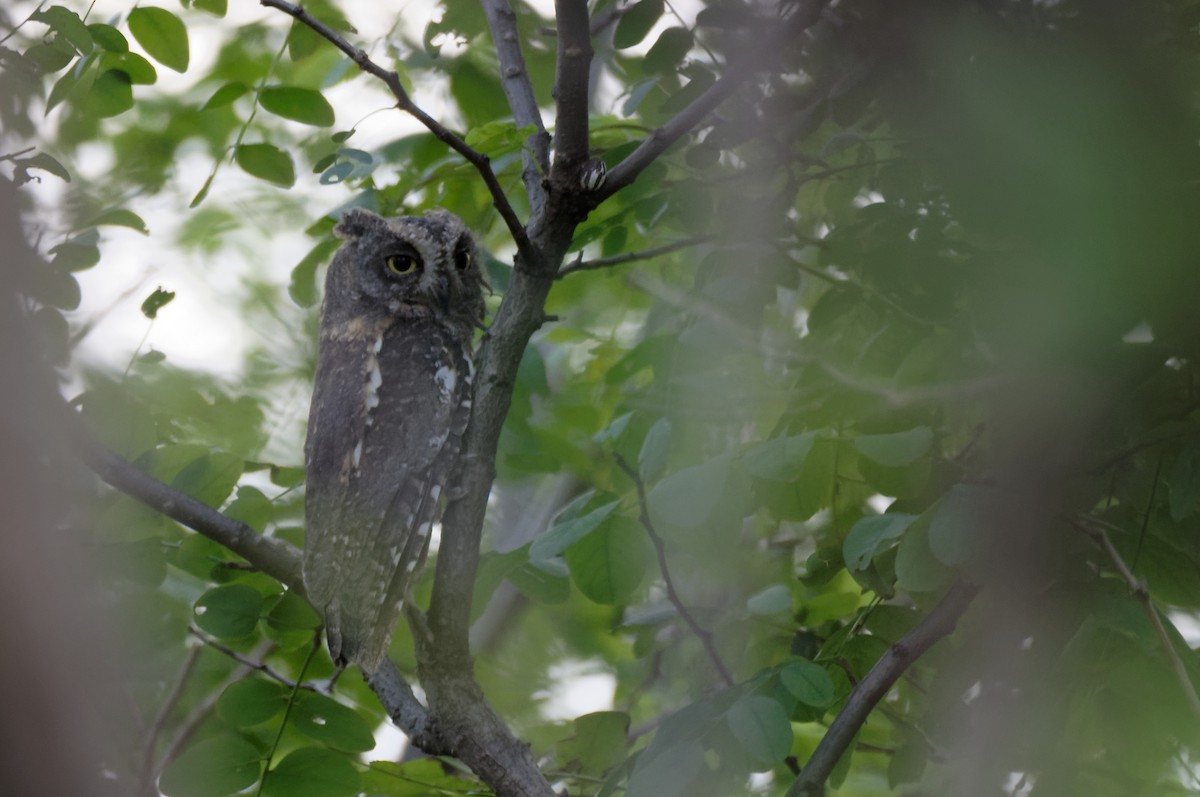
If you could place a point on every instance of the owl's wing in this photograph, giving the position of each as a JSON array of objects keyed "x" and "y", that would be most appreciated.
[{"x": 369, "y": 525}]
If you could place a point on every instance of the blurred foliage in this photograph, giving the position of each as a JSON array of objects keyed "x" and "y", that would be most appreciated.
[{"x": 941, "y": 262}]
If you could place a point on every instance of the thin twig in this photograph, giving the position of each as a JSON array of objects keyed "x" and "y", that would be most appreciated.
[
  {"x": 12, "y": 156},
  {"x": 872, "y": 688},
  {"x": 477, "y": 159},
  {"x": 287, "y": 712},
  {"x": 160, "y": 719},
  {"x": 629, "y": 257},
  {"x": 660, "y": 551},
  {"x": 241, "y": 658},
  {"x": 21, "y": 24},
  {"x": 1095, "y": 529}
]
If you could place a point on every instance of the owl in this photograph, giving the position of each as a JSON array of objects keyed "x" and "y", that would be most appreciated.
[{"x": 391, "y": 400}]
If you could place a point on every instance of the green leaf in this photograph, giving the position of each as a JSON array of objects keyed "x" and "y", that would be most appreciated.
[
  {"x": 869, "y": 537},
  {"x": 609, "y": 564},
  {"x": 267, "y": 162},
  {"x": 74, "y": 256},
  {"x": 298, "y": 104},
  {"x": 51, "y": 56},
  {"x": 291, "y": 613},
  {"x": 156, "y": 301},
  {"x": 808, "y": 682},
  {"x": 47, "y": 164},
  {"x": 210, "y": 478},
  {"x": 652, "y": 459},
  {"x": 110, "y": 95},
  {"x": 917, "y": 569},
  {"x": 562, "y": 536},
  {"x": 67, "y": 24},
  {"x": 203, "y": 192},
  {"x": 214, "y": 767},
  {"x": 772, "y": 600},
  {"x": 229, "y": 612},
  {"x": 313, "y": 772},
  {"x": 762, "y": 727},
  {"x": 780, "y": 459},
  {"x": 960, "y": 518},
  {"x": 216, "y": 7},
  {"x": 123, "y": 218},
  {"x": 162, "y": 35},
  {"x": 598, "y": 743},
  {"x": 672, "y": 46},
  {"x": 109, "y": 38},
  {"x": 251, "y": 507},
  {"x": 251, "y": 702},
  {"x": 636, "y": 22},
  {"x": 329, "y": 722},
  {"x": 897, "y": 449},
  {"x": 225, "y": 95},
  {"x": 689, "y": 497},
  {"x": 543, "y": 581},
  {"x": 668, "y": 772},
  {"x": 63, "y": 87},
  {"x": 140, "y": 71},
  {"x": 285, "y": 476},
  {"x": 1184, "y": 497}
]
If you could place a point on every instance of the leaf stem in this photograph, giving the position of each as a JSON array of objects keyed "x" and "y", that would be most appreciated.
[{"x": 312, "y": 652}]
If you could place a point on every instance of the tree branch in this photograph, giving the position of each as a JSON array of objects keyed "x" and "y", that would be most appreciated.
[
  {"x": 514, "y": 78},
  {"x": 275, "y": 557},
  {"x": 241, "y": 658},
  {"x": 1141, "y": 593},
  {"x": 660, "y": 551},
  {"x": 629, "y": 257},
  {"x": 871, "y": 689},
  {"x": 682, "y": 123},
  {"x": 571, "y": 73},
  {"x": 477, "y": 159}
]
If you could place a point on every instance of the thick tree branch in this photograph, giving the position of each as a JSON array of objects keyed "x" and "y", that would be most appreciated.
[
  {"x": 660, "y": 551},
  {"x": 477, "y": 159},
  {"x": 514, "y": 78},
  {"x": 682, "y": 123},
  {"x": 572, "y": 67},
  {"x": 629, "y": 257},
  {"x": 875, "y": 685}
]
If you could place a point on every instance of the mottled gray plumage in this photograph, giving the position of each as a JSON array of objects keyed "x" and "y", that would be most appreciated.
[{"x": 390, "y": 403}]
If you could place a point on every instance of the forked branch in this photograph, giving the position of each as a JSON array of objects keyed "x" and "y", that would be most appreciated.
[{"x": 477, "y": 159}]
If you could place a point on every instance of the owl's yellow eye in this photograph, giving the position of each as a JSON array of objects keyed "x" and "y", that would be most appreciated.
[{"x": 401, "y": 264}]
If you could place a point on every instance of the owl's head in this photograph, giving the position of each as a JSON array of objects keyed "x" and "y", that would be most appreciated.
[{"x": 409, "y": 266}]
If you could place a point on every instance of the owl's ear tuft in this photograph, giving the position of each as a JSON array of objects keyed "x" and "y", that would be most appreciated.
[{"x": 355, "y": 222}]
